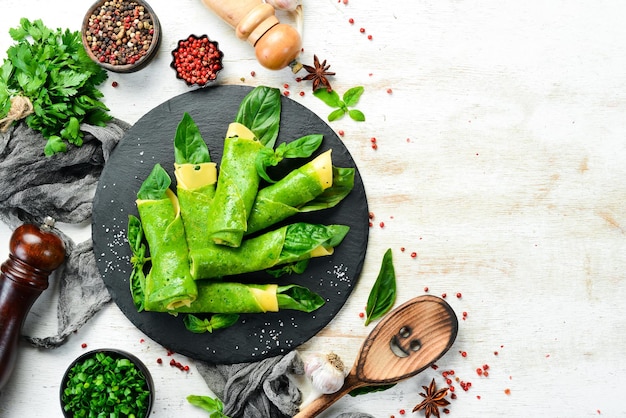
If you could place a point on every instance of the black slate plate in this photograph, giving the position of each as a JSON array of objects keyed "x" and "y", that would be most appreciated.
[{"x": 257, "y": 336}]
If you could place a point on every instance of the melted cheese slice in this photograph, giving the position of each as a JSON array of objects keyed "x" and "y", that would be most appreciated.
[
  {"x": 321, "y": 251},
  {"x": 266, "y": 298},
  {"x": 323, "y": 165},
  {"x": 195, "y": 176},
  {"x": 237, "y": 129},
  {"x": 171, "y": 196}
]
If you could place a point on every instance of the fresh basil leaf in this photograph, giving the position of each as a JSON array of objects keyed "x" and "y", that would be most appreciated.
[
  {"x": 298, "y": 298},
  {"x": 351, "y": 96},
  {"x": 356, "y": 115},
  {"x": 369, "y": 389},
  {"x": 202, "y": 325},
  {"x": 212, "y": 405},
  {"x": 155, "y": 185},
  {"x": 264, "y": 159},
  {"x": 137, "y": 282},
  {"x": 336, "y": 114},
  {"x": 343, "y": 183},
  {"x": 383, "y": 293},
  {"x": 259, "y": 111},
  {"x": 331, "y": 98},
  {"x": 297, "y": 267},
  {"x": 301, "y": 238},
  {"x": 220, "y": 321},
  {"x": 302, "y": 147},
  {"x": 134, "y": 235},
  {"x": 189, "y": 146}
]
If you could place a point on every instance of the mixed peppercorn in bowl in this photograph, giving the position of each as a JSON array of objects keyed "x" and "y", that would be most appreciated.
[{"x": 121, "y": 35}]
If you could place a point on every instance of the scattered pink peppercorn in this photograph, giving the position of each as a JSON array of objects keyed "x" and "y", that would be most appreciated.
[
  {"x": 351, "y": 21},
  {"x": 389, "y": 91},
  {"x": 413, "y": 254},
  {"x": 84, "y": 345},
  {"x": 369, "y": 37},
  {"x": 114, "y": 84},
  {"x": 362, "y": 30}
]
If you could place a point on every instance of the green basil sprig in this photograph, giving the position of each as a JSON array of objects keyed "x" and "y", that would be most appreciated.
[
  {"x": 383, "y": 293},
  {"x": 189, "y": 146},
  {"x": 138, "y": 259},
  {"x": 350, "y": 99},
  {"x": 300, "y": 148},
  {"x": 155, "y": 185},
  {"x": 212, "y": 405},
  {"x": 202, "y": 325},
  {"x": 298, "y": 298},
  {"x": 259, "y": 111}
]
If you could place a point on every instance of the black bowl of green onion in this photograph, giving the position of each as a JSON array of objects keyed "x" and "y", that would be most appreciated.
[{"x": 107, "y": 382}]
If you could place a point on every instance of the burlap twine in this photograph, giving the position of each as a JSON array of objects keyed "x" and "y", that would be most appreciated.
[{"x": 20, "y": 108}]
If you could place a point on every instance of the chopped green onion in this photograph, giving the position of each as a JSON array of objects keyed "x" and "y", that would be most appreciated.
[{"x": 104, "y": 386}]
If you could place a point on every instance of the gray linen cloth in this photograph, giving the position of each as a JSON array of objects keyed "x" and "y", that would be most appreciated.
[{"x": 63, "y": 186}]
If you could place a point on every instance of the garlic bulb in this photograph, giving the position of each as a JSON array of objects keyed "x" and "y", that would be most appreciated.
[
  {"x": 287, "y": 5},
  {"x": 327, "y": 372}
]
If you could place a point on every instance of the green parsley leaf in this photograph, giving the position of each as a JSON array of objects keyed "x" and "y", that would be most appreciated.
[{"x": 52, "y": 69}]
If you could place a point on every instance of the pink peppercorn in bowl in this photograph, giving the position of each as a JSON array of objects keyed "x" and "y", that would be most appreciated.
[
  {"x": 197, "y": 60},
  {"x": 121, "y": 35}
]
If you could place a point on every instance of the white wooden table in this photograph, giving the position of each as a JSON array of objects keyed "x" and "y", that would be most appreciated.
[{"x": 501, "y": 163}]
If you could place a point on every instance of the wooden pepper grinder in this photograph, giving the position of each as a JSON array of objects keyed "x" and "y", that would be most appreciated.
[
  {"x": 34, "y": 252},
  {"x": 276, "y": 45}
]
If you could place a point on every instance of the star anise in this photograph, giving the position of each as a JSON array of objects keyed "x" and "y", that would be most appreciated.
[
  {"x": 318, "y": 74},
  {"x": 433, "y": 399}
]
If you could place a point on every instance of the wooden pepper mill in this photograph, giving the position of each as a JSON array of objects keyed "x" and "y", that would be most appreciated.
[
  {"x": 34, "y": 252},
  {"x": 276, "y": 45}
]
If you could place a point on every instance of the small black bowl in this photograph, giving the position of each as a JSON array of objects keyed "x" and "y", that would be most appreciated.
[
  {"x": 109, "y": 353},
  {"x": 106, "y": 29},
  {"x": 197, "y": 60}
]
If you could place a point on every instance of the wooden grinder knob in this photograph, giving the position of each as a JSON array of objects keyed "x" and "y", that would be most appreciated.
[
  {"x": 276, "y": 45},
  {"x": 34, "y": 252}
]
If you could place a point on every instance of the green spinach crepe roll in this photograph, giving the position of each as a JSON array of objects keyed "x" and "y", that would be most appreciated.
[
  {"x": 196, "y": 178},
  {"x": 237, "y": 186},
  {"x": 168, "y": 284},
  {"x": 236, "y": 298},
  {"x": 290, "y": 243},
  {"x": 314, "y": 186}
]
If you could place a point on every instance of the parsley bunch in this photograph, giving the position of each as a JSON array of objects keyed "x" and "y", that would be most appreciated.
[{"x": 52, "y": 69}]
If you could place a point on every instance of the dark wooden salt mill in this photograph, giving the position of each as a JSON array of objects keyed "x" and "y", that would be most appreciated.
[{"x": 34, "y": 252}]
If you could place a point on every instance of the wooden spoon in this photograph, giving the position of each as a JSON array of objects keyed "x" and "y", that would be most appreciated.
[{"x": 406, "y": 341}]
